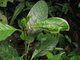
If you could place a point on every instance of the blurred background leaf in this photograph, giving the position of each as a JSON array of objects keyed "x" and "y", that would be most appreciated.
[
  {"x": 3, "y": 3},
  {"x": 7, "y": 52}
]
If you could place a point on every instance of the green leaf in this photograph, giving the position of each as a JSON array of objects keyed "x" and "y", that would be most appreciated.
[
  {"x": 18, "y": 9},
  {"x": 48, "y": 44},
  {"x": 75, "y": 57},
  {"x": 5, "y": 31},
  {"x": 53, "y": 25},
  {"x": 49, "y": 55},
  {"x": 53, "y": 57},
  {"x": 38, "y": 12},
  {"x": 15, "y": 58},
  {"x": 7, "y": 52},
  {"x": 22, "y": 23},
  {"x": 3, "y": 3},
  {"x": 23, "y": 36},
  {"x": 41, "y": 37}
]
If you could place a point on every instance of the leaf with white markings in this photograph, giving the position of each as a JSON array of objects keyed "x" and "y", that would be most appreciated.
[
  {"x": 38, "y": 12},
  {"x": 53, "y": 25}
]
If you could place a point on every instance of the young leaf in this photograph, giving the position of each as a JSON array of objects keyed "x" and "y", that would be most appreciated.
[
  {"x": 5, "y": 31},
  {"x": 22, "y": 23},
  {"x": 18, "y": 9},
  {"x": 23, "y": 36},
  {"x": 38, "y": 12},
  {"x": 53, "y": 25}
]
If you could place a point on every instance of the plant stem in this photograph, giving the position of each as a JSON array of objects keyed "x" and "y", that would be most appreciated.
[{"x": 26, "y": 50}]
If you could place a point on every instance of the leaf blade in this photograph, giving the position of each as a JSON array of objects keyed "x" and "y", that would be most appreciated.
[
  {"x": 53, "y": 25},
  {"x": 7, "y": 52},
  {"x": 5, "y": 31},
  {"x": 47, "y": 45},
  {"x": 38, "y": 12},
  {"x": 18, "y": 9}
]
